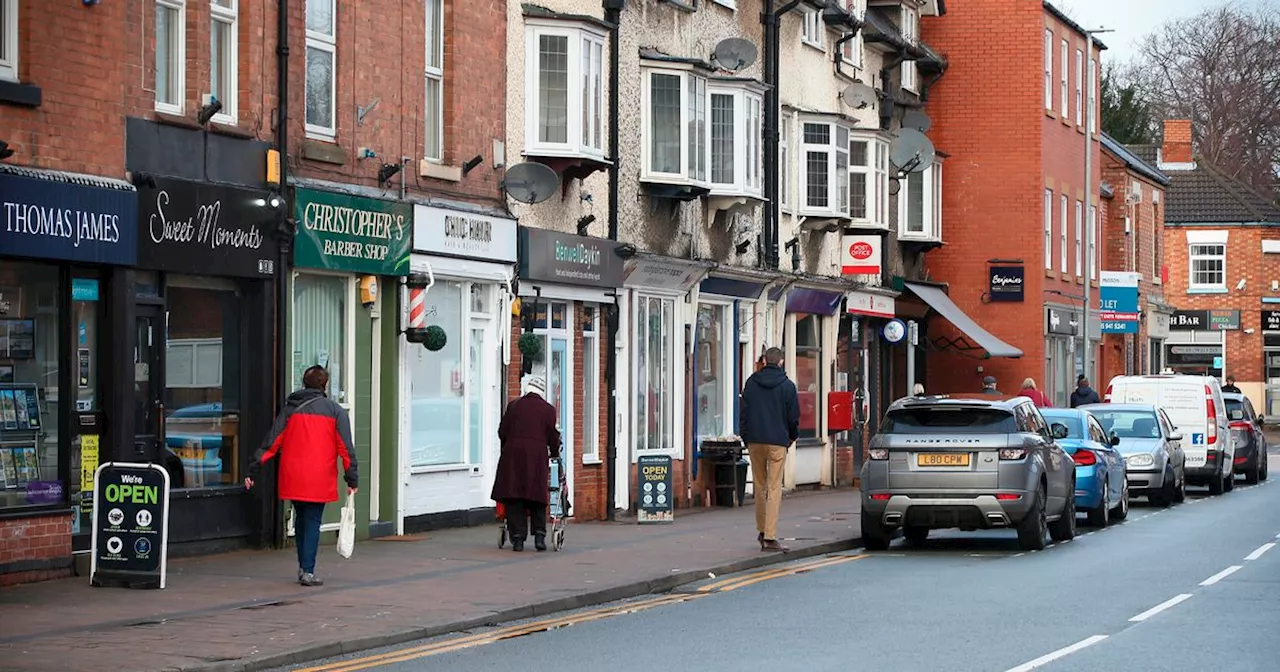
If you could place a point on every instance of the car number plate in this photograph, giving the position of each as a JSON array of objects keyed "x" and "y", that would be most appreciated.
[{"x": 942, "y": 460}]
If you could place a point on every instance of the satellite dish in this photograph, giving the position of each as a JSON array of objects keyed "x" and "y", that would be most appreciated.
[
  {"x": 917, "y": 119},
  {"x": 734, "y": 54},
  {"x": 911, "y": 151},
  {"x": 859, "y": 96},
  {"x": 530, "y": 182}
]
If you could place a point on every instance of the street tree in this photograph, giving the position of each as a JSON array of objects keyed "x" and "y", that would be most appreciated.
[
  {"x": 1126, "y": 114},
  {"x": 1221, "y": 69}
]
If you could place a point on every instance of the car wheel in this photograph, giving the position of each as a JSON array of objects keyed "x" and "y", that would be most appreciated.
[
  {"x": 874, "y": 535},
  {"x": 1033, "y": 526},
  {"x": 1122, "y": 510},
  {"x": 1168, "y": 490},
  {"x": 1254, "y": 474},
  {"x": 1064, "y": 528},
  {"x": 1101, "y": 516},
  {"x": 1217, "y": 485},
  {"x": 916, "y": 536},
  {"x": 1262, "y": 473},
  {"x": 1180, "y": 495}
]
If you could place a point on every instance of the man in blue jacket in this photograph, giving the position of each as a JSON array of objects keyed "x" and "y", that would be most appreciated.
[{"x": 769, "y": 418}]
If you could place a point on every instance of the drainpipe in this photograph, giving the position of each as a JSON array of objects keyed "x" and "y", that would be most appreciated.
[
  {"x": 284, "y": 231},
  {"x": 613, "y": 15},
  {"x": 772, "y": 20}
]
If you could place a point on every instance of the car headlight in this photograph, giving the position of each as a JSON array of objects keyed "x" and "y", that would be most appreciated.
[{"x": 1140, "y": 460}]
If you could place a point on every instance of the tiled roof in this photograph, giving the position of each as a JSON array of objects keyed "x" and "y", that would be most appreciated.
[
  {"x": 1134, "y": 162},
  {"x": 1207, "y": 196},
  {"x": 1061, "y": 16}
]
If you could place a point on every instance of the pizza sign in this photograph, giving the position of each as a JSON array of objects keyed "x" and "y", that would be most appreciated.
[{"x": 861, "y": 255}]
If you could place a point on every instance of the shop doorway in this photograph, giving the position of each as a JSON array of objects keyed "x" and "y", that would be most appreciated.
[{"x": 148, "y": 392}]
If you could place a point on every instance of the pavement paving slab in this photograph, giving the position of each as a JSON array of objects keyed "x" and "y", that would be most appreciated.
[{"x": 242, "y": 611}]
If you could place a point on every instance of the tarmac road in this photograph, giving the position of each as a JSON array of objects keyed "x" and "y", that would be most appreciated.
[{"x": 1196, "y": 586}]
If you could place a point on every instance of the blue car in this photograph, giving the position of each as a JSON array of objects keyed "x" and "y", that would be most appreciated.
[{"x": 1102, "y": 484}]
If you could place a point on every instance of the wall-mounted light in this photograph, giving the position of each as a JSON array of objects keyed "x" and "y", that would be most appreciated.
[
  {"x": 206, "y": 113},
  {"x": 386, "y": 172},
  {"x": 585, "y": 222}
]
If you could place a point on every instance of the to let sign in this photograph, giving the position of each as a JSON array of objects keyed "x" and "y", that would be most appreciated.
[
  {"x": 656, "y": 499},
  {"x": 1118, "y": 302},
  {"x": 130, "y": 525},
  {"x": 340, "y": 232},
  {"x": 1006, "y": 283}
]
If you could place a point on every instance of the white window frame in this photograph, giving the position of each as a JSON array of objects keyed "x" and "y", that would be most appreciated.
[
  {"x": 1062, "y": 234},
  {"x": 727, "y": 4},
  {"x": 911, "y": 33},
  {"x": 784, "y": 162},
  {"x": 930, "y": 204},
  {"x": 180, "y": 59},
  {"x": 433, "y": 75},
  {"x": 877, "y": 180},
  {"x": 687, "y": 173},
  {"x": 851, "y": 50},
  {"x": 1079, "y": 241},
  {"x": 1095, "y": 253},
  {"x": 1200, "y": 239},
  {"x": 1048, "y": 68},
  {"x": 9, "y": 43},
  {"x": 590, "y": 442},
  {"x": 230, "y": 18},
  {"x": 1096, "y": 109},
  {"x": 812, "y": 30},
  {"x": 673, "y": 433},
  {"x": 1063, "y": 77},
  {"x": 1048, "y": 229},
  {"x": 1080, "y": 87},
  {"x": 329, "y": 44},
  {"x": 748, "y": 118},
  {"x": 581, "y": 38},
  {"x": 837, "y": 185}
]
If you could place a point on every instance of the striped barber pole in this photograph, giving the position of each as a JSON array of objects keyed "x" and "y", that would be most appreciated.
[{"x": 417, "y": 308}]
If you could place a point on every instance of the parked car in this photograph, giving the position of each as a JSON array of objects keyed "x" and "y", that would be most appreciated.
[
  {"x": 1195, "y": 406},
  {"x": 1246, "y": 431},
  {"x": 1152, "y": 449},
  {"x": 970, "y": 463},
  {"x": 1102, "y": 485}
]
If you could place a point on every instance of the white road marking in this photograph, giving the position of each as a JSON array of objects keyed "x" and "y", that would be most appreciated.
[
  {"x": 1060, "y": 653},
  {"x": 1261, "y": 549},
  {"x": 1221, "y": 575},
  {"x": 1167, "y": 604}
]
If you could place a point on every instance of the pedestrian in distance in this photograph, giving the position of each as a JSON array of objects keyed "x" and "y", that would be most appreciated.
[
  {"x": 1084, "y": 394},
  {"x": 311, "y": 433},
  {"x": 989, "y": 387},
  {"x": 1029, "y": 390},
  {"x": 769, "y": 418},
  {"x": 1230, "y": 387},
  {"x": 529, "y": 440}
]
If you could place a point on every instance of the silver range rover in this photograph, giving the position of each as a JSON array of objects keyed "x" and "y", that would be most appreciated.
[{"x": 966, "y": 462}]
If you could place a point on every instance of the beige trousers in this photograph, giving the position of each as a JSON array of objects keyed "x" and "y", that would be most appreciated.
[{"x": 767, "y": 462}]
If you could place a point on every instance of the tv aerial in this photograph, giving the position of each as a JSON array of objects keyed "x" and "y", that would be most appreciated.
[
  {"x": 911, "y": 151},
  {"x": 859, "y": 96},
  {"x": 734, "y": 54},
  {"x": 530, "y": 182},
  {"x": 917, "y": 119}
]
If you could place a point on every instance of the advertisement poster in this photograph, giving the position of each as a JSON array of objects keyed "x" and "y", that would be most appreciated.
[
  {"x": 88, "y": 461},
  {"x": 130, "y": 526},
  {"x": 656, "y": 498}
]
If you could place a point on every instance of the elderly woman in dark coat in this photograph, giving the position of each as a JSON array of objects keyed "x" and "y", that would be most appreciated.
[{"x": 529, "y": 439}]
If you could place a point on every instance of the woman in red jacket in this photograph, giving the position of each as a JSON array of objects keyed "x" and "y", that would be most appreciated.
[
  {"x": 1029, "y": 390},
  {"x": 310, "y": 433}
]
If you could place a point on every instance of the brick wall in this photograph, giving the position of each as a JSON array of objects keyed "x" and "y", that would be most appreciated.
[{"x": 35, "y": 549}]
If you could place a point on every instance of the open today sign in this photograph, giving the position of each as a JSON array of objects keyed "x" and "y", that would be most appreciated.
[{"x": 130, "y": 525}]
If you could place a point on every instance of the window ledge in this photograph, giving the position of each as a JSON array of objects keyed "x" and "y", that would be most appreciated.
[
  {"x": 591, "y": 461},
  {"x": 443, "y": 469},
  {"x": 866, "y": 226},
  {"x": 675, "y": 190},
  {"x": 324, "y": 152},
  {"x": 814, "y": 46},
  {"x": 232, "y": 130},
  {"x": 22, "y": 95},
  {"x": 536, "y": 153},
  {"x": 439, "y": 171},
  {"x": 1207, "y": 290},
  {"x": 571, "y": 167},
  {"x": 735, "y": 194},
  {"x": 1050, "y": 273},
  {"x": 924, "y": 243},
  {"x": 169, "y": 119}
]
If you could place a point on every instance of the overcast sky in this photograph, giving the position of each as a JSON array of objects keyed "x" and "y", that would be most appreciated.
[{"x": 1134, "y": 19}]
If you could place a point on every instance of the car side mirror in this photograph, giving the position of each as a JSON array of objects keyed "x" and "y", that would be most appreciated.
[
  {"x": 1115, "y": 440},
  {"x": 1060, "y": 430},
  {"x": 1176, "y": 436}
]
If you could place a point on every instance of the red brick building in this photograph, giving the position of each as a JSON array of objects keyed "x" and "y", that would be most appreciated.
[
  {"x": 1133, "y": 241},
  {"x": 1011, "y": 115},
  {"x": 1222, "y": 249}
]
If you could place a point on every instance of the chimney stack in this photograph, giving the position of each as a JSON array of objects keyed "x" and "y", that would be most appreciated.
[{"x": 1176, "y": 147}]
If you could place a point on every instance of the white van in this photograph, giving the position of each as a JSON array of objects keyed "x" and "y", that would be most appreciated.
[{"x": 1195, "y": 406}]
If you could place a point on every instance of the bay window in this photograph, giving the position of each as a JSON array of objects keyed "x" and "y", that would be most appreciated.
[
  {"x": 735, "y": 141},
  {"x": 824, "y": 155},
  {"x": 565, "y": 90},
  {"x": 869, "y": 181},
  {"x": 920, "y": 205},
  {"x": 655, "y": 365}
]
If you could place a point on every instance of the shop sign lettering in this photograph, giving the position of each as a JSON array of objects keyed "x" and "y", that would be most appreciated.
[
  {"x": 350, "y": 233},
  {"x": 58, "y": 220},
  {"x": 197, "y": 227}
]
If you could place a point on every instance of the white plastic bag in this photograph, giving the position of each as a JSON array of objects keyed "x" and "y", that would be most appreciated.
[{"x": 347, "y": 529}]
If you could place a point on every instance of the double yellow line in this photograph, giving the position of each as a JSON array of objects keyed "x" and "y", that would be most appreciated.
[{"x": 471, "y": 641}]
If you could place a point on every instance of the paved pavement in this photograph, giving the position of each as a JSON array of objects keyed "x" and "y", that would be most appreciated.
[
  {"x": 1196, "y": 586},
  {"x": 243, "y": 611}
]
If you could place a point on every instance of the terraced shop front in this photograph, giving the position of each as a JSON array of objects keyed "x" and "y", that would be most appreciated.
[{"x": 350, "y": 253}]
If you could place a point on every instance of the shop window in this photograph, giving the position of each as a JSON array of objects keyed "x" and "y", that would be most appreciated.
[
  {"x": 808, "y": 374},
  {"x": 202, "y": 367},
  {"x": 319, "y": 329},
  {"x": 714, "y": 372},
  {"x": 29, "y": 365},
  {"x": 590, "y": 383},
  {"x": 655, "y": 378},
  {"x": 436, "y": 390}
]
